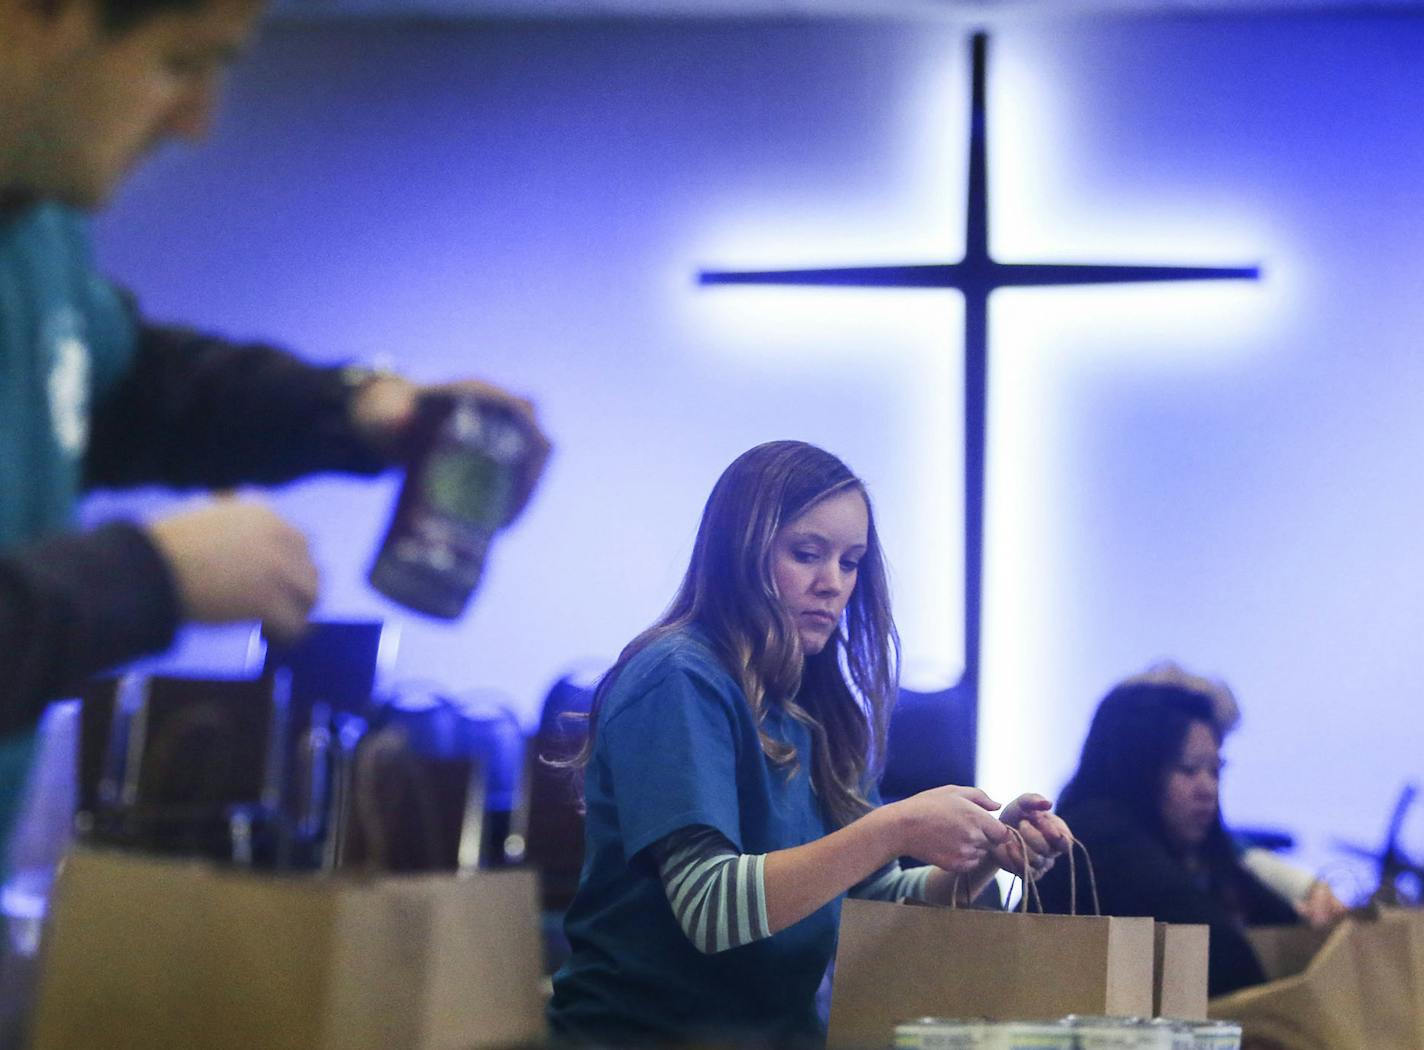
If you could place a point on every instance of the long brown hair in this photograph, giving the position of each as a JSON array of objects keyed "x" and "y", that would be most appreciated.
[{"x": 844, "y": 693}]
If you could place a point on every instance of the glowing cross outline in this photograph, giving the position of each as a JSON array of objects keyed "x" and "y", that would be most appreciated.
[{"x": 977, "y": 276}]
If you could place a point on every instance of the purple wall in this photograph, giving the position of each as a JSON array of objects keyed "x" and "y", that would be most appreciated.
[{"x": 1225, "y": 475}]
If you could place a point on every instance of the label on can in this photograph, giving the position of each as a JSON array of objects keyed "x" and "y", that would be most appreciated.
[
  {"x": 1181, "y": 1035},
  {"x": 1218, "y": 1035},
  {"x": 939, "y": 1033},
  {"x": 1118, "y": 1033},
  {"x": 1031, "y": 1035}
]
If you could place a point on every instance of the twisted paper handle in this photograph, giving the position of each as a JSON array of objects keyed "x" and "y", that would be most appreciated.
[
  {"x": 1073, "y": 843},
  {"x": 1029, "y": 882}
]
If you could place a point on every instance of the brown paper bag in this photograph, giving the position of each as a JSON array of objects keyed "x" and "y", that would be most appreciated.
[
  {"x": 149, "y": 953},
  {"x": 1179, "y": 977},
  {"x": 1360, "y": 991},
  {"x": 1285, "y": 950},
  {"x": 897, "y": 962},
  {"x": 1414, "y": 919}
]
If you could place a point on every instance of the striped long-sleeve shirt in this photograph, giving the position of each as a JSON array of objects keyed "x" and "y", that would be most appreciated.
[{"x": 719, "y": 895}]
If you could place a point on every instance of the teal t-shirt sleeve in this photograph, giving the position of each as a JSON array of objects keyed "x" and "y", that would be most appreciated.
[{"x": 672, "y": 755}]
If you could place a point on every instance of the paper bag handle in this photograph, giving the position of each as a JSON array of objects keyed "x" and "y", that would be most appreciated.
[
  {"x": 1029, "y": 882},
  {"x": 1073, "y": 844}
]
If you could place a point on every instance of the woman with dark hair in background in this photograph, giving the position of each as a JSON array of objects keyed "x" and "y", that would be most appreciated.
[
  {"x": 729, "y": 778},
  {"x": 1144, "y": 801}
]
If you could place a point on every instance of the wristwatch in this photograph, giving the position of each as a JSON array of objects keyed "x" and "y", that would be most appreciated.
[{"x": 357, "y": 377}]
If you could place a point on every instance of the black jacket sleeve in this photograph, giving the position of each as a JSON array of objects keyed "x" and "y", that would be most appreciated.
[
  {"x": 74, "y": 605},
  {"x": 198, "y": 411},
  {"x": 1136, "y": 875},
  {"x": 192, "y": 411}
]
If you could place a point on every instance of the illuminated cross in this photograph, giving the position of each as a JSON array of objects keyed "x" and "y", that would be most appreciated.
[{"x": 976, "y": 276}]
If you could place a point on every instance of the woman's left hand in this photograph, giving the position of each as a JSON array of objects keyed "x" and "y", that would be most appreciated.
[{"x": 1044, "y": 833}]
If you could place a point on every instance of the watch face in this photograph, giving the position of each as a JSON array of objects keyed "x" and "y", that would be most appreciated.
[{"x": 359, "y": 375}]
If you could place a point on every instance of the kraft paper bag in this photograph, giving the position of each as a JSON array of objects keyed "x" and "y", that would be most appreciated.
[
  {"x": 1286, "y": 950},
  {"x": 1413, "y": 918},
  {"x": 153, "y": 953},
  {"x": 896, "y": 962},
  {"x": 1359, "y": 991},
  {"x": 1179, "y": 980}
]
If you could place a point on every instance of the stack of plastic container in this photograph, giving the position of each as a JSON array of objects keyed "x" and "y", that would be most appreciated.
[{"x": 1069, "y": 1033}]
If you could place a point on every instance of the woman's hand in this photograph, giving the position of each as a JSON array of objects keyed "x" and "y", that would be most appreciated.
[
  {"x": 1320, "y": 907},
  {"x": 950, "y": 827},
  {"x": 1044, "y": 833}
]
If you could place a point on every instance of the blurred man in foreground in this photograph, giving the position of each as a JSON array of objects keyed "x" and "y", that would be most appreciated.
[{"x": 93, "y": 394}]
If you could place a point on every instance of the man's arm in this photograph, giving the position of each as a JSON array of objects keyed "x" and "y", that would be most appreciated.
[
  {"x": 73, "y": 605},
  {"x": 80, "y": 603},
  {"x": 198, "y": 411}
]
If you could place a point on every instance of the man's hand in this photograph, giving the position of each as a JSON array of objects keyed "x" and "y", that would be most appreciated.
[
  {"x": 237, "y": 560},
  {"x": 383, "y": 407}
]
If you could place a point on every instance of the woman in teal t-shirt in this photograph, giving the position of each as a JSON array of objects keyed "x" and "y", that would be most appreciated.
[{"x": 729, "y": 778}]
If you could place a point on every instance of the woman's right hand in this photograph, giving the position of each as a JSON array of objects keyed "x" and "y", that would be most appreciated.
[
  {"x": 952, "y": 827},
  {"x": 1321, "y": 908}
]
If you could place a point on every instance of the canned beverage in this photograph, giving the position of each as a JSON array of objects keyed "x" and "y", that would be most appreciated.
[
  {"x": 463, "y": 460},
  {"x": 940, "y": 1033},
  {"x": 1117, "y": 1033},
  {"x": 1031, "y": 1035},
  {"x": 1181, "y": 1034},
  {"x": 1217, "y": 1035}
]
